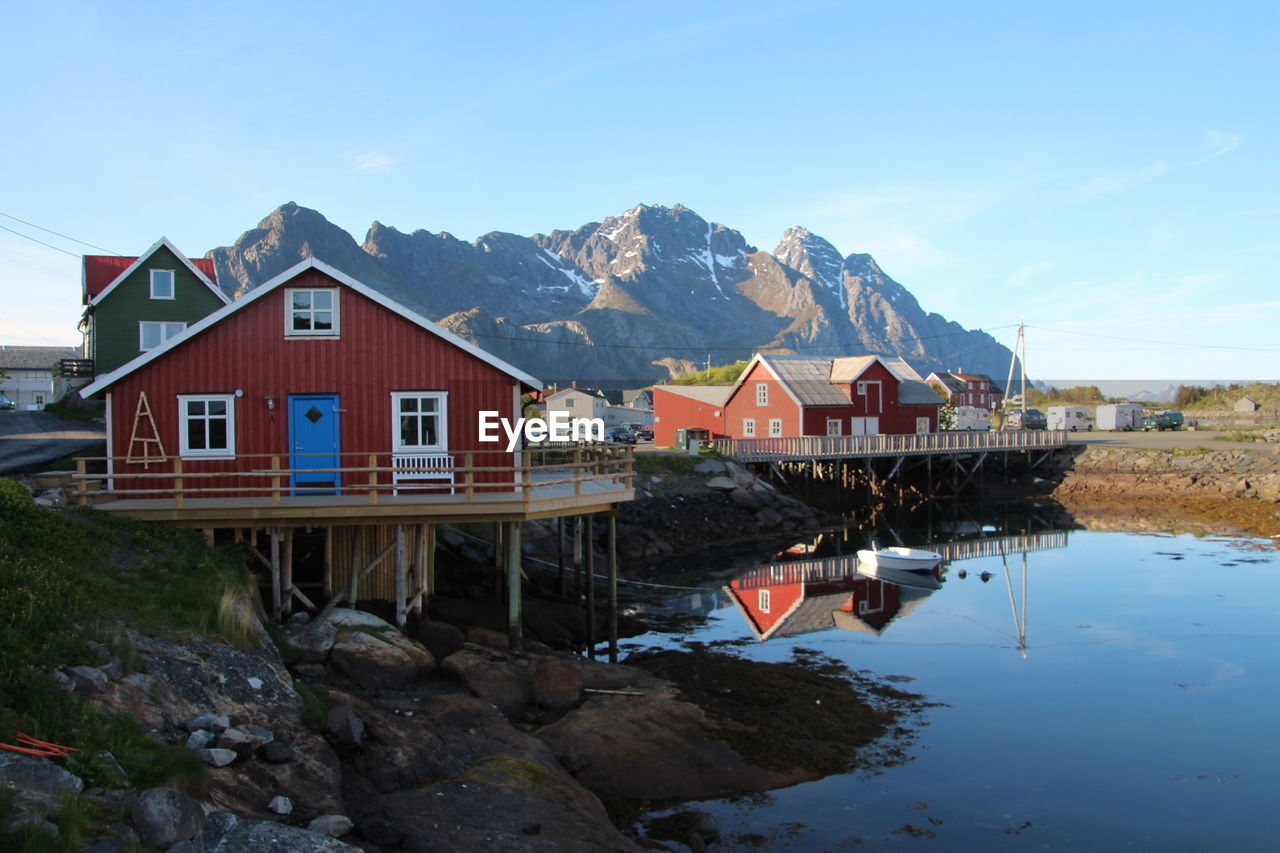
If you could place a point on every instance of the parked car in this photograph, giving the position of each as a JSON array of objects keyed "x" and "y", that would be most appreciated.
[
  {"x": 621, "y": 435},
  {"x": 645, "y": 433},
  {"x": 1028, "y": 419},
  {"x": 6, "y": 404},
  {"x": 1162, "y": 421}
]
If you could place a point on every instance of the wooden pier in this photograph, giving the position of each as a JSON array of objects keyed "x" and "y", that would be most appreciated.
[{"x": 807, "y": 448}]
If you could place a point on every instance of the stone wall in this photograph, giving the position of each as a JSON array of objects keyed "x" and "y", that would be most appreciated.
[{"x": 1135, "y": 473}]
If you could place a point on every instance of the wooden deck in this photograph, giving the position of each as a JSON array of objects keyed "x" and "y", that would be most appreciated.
[
  {"x": 808, "y": 448},
  {"x": 581, "y": 481}
]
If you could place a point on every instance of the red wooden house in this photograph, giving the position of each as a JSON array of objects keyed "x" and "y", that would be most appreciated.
[
  {"x": 968, "y": 389},
  {"x": 321, "y": 371},
  {"x": 780, "y": 396}
]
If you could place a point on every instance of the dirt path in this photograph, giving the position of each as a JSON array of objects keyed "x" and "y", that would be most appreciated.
[{"x": 1185, "y": 439}]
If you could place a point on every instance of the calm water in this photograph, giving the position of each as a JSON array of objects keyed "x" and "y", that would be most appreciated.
[{"x": 1141, "y": 713}]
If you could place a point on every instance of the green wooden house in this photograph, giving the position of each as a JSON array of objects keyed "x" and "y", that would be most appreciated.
[{"x": 135, "y": 304}]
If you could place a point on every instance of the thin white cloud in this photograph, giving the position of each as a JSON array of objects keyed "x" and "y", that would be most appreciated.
[
  {"x": 1024, "y": 274},
  {"x": 375, "y": 162},
  {"x": 1219, "y": 143}
]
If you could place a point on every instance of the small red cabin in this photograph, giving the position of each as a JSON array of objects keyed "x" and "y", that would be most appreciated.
[{"x": 311, "y": 372}]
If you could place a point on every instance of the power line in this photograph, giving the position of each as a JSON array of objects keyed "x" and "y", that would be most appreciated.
[
  {"x": 41, "y": 242},
  {"x": 55, "y": 233}
]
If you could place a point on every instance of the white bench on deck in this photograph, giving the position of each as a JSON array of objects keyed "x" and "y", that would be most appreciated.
[{"x": 421, "y": 468}]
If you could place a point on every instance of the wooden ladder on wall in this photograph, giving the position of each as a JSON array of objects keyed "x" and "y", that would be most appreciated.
[{"x": 142, "y": 442}]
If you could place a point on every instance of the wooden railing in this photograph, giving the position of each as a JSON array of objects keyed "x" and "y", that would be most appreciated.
[
  {"x": 854, "y": 446},
  {"x": 364, "y": 476}
]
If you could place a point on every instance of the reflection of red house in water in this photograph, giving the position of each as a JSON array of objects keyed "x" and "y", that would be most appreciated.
[{"x": 787, "y": 599}]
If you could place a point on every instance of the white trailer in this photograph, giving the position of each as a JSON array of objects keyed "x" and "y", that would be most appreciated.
[
  {"x": 1120, "y": 416},
  {"x": 1071, "y": 418},
  {"x": 972, "y": 418}
]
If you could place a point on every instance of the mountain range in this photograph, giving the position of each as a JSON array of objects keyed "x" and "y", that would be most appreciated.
[{"x": 648, "y": 294}]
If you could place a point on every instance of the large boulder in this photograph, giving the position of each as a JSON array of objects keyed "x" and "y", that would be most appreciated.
[
  {"x": 34, "y": 773},
  {"x": 557, "y": 684},
  {"x": 163, "y": 817},
  {"x": 264, "y": 836},
  {"x": 379, "y": 663},
  {"x": 505, "y": 682}
]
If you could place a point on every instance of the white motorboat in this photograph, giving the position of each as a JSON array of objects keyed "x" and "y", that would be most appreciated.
[{"x": 904, "y": 559}]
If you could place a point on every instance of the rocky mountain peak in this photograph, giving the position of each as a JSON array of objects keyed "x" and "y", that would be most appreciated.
[{"x": 668, "y": 283}]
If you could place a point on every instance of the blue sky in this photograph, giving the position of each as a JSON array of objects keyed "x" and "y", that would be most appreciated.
[{"x": 1109, "y": 172}]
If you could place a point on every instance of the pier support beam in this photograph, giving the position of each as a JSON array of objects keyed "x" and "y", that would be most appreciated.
[
  {"x": 612, "y": 549},
  {"x": 515, "y": 632}
]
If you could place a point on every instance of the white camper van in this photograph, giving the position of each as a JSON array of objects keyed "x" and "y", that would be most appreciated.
[
  {"x": 1070, "y": 418},
  {"x": 972, "y": 418},
  {"x": 1120, "y": 416}
]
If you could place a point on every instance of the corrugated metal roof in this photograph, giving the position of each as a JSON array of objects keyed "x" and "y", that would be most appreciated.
[
  {"x": 849, "y": 368},
  {"x": 35, "y": 358},
  {"x": 912, "y": 390},
  {"x": 716, "y": 395},
  {"x": 809, "y": 379}
]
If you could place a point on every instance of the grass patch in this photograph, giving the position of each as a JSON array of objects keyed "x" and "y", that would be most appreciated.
[
  {"x": 316, "y": 703},
  {"x": 86, "y": 411},
  {"x": 1198, "y": 450},
  {"x": 74, "y": 575},
  {"x": 1241, "y": 435}
]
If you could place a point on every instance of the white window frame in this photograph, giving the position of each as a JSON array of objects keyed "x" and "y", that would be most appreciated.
[
  {"x": 765, "y": 600},
  {"x": 442, "y": 429},
  {"x": 289, "y": 310},
  {"x": 922, "y": 426},
  {"x": 167, "y": 330},
  {"x": 158, "y": 275},
  {"x": 775, "y": 427},
  {"x": 762, "y": 393},
  {"x": 748, "y": 427},
  {"x": 184, "y": 448},
  {"x": 833, "y": 426}
]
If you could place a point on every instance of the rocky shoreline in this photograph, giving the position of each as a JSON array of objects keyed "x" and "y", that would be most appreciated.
[{"x": 1202, "y": 491}]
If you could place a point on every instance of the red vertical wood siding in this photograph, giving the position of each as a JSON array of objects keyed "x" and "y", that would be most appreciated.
[
  {"x": 378, "y": 352},
  {"x": 742, "y": 404},
  {"x": 672, "y": 411}
]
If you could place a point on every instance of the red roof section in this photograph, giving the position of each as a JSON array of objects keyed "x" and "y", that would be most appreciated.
[{"x": 101, "y": 270}]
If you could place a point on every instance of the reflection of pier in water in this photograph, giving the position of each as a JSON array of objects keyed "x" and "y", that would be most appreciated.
[{"x": 800, "y": 596}]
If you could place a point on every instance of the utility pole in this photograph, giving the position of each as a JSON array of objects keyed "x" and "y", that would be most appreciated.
[{"x": 1019, "y": 356}]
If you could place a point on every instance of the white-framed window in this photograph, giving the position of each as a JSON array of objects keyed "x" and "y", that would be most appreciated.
[
  {"x": 762, "y": 393},
  {"x": 765, "y": 602},
  {"x": 162, "y": 284},
  {"x": 207, "y": 425},
  {"x": 749, "y": 427},
  {"x": 922, "y": 426},
  {"x": 833, "y": 426},
  {"x": 775, "y": 427},
  {"x": 152, "y": 334},
  {"x": 419, "y": 421},
  {"x": 862, "y": 389},
  {"x": 311, "y": 312}
]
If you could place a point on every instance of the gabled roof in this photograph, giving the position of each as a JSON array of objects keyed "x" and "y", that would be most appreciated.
[
  {"x": 589, "y": 392},
  {"x": 912, "y": 390},
  {"x": 286, "y": 276},
  {"x": 716, "y": 395},
  {"x": 97, "y": 268},
  {"x": 35, "y": 358},
  {"x": 950, "y": 382},
  {"x": 805, "y": 380}
]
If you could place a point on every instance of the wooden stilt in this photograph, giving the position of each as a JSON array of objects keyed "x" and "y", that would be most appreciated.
[
  {"x": 286, "y": 574},
  {"x": 326, "y": 584},
  {"x": 499, "y": 558},
  {"x": 591, "y": 587},
  {"x": 577, "y": 555},
  {"x": 431, "y": 559},
  {"x": 420, "y": 569},
  {"x": 275, "y": 574},
  {"x": 353, "y": 582},
  {"x": 564, "y": 581},
  {"x": 612, "y": 549},
  {"x": 514, "y": 616},
  {"x": 402, "y": 576}
]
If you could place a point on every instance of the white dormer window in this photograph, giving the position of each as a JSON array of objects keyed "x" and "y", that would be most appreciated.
[
  {"x": 311, "y": 312},
  {"x": 762, "y": 393},
  {"x": 162, "y": 284}
]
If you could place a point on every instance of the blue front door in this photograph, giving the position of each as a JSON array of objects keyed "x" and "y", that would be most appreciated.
[{"x": 313, "y": 443}]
